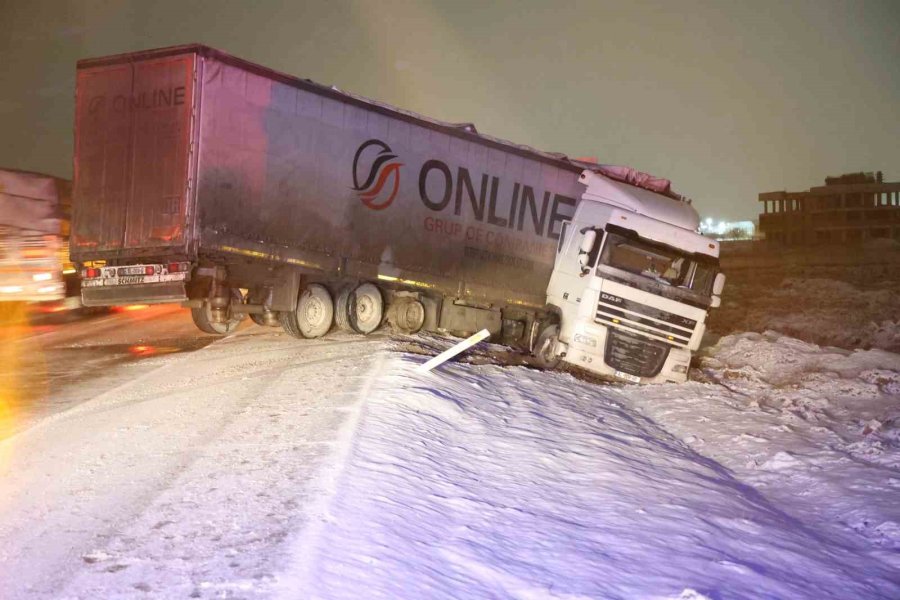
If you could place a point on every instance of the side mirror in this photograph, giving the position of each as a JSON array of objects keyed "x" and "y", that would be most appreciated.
[
  {"x": 587, "y": 242},
  {"x": 719, "y": 284},
  {"x": 715, "y": 302}
]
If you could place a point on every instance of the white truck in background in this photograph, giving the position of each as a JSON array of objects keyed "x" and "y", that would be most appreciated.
[
  {"x": 33, "y": 236},
  {"x": 210, "y": 181}
]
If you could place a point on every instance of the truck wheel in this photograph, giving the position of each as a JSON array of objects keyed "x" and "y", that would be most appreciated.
[
  {"x": 203, "y": 318},
  {"x": 342, "y": 310},
  {"x": 313, "y": 316},
  {"x": 544, "y": 349},
  {"x": 367, "y": 308},
  {"x": 406, "y": 315}
]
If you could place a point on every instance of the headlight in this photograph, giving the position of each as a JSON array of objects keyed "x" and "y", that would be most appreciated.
[
  {"x": 679, "y": 368},
  {"x": 42, "y": 277}
]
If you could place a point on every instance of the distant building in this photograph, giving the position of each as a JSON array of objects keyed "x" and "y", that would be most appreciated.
[{"x": 849, "y": 208}]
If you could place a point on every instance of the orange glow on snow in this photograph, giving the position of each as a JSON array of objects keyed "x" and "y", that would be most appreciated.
[
  {"x": 53, "y": 308},
  {"x": 15, "y": 378},
  {"x": 142, "y": 350},
  {"x": 130, "y": 307}
]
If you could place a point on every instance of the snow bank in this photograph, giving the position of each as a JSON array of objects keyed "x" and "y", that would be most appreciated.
[
  {"x": 817, "y": 430},
  {"x": 480, "y": 482},
  {"x": 261, "y": 467}
]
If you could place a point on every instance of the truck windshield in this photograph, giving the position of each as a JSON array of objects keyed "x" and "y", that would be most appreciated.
[{"x": 660, "y": 263}]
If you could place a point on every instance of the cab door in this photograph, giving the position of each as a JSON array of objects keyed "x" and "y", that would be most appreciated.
[{"x": 569, "y": 279}]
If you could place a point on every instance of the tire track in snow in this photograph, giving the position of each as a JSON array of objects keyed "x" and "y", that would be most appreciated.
[{"x": 305, "y": 546}]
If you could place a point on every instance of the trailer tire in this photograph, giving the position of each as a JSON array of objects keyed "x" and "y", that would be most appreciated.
[
  {"x": 544, "y": 357},
  {"x": 406, "y": 315},
  {"x": 367, "y": 308},
  {"x": 202, "y": 318},
  {"x": 313, "y": 315},
  {"x": 342, "y": 310}
]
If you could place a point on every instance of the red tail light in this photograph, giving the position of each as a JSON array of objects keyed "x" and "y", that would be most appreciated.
[
  {"x": 179, "y": 267},
  {"x": 90, "y": 273},
  {"x": 149, "y": 270}
]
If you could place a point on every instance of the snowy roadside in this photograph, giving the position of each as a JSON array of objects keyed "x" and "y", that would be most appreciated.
[
  {"x": 481, "y": 481},
  {"x": 814, "y": 429},
  {"x": 264, "y": 467}
]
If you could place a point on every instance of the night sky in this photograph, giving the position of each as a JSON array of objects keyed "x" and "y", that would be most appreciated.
[{"x": 727, "y": 99}]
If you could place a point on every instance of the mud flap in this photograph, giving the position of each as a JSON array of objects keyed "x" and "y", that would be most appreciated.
[{"x": 149, "y": 293}]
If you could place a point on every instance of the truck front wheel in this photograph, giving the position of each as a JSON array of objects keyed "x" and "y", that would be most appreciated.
[
  {"x": 313, "y": 315},
  {"x": 545, "y": 355}
]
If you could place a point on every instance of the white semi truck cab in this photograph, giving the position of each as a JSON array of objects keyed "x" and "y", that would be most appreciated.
[{"x": 632, "y": 284}]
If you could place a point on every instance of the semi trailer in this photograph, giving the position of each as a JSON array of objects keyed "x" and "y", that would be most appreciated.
[{"x": 235, "y": 190}]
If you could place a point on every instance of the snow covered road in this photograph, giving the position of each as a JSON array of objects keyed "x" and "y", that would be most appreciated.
[
  {"x": 260, "y": 466},
  {"x": 188, "y": 478}
]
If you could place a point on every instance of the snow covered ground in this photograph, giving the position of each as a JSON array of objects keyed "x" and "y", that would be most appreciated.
[
  {"x": 260, "y": 466},
  {"x": 489, "y": 482}
]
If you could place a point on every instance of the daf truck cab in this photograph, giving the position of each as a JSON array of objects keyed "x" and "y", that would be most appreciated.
[{"x": 632, "y": 285}]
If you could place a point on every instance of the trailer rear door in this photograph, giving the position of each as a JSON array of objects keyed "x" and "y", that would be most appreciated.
[{"x": 133, "y": 121}]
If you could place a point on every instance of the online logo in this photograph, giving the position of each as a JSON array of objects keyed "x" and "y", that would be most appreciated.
[{"x": 375, "y": 160}]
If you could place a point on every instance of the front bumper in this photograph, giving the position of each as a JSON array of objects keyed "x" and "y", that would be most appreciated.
[{"x": 588, "y": 350}]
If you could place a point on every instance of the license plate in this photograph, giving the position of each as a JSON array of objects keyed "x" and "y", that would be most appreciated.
[
  {"x": 133, "y": 279},
  {"x": 628, "y": 377}
]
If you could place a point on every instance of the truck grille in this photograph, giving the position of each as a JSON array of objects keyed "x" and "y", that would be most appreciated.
[
  {"x": 640, "y": 318},
  {"x": 634, "y": 354}
]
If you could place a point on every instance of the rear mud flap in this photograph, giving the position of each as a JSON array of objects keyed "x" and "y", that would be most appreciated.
[{"x": 149, "y": 293}]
